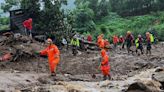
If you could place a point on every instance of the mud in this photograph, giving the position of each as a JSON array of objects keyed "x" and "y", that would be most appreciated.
[{"x": 74, "y": 74}]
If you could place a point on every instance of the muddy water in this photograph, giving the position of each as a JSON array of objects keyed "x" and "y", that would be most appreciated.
[
  {"x": 22, "y": 81},
  {"x": 75, "y": 73}
]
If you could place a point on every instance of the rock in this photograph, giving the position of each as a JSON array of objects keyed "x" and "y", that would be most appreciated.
[
  {"x": 74, "y": 87},
  {"x": 45, "y": 80},
  {"x": 159, "y": 69},
  {"x": 66, "y": 75},
  {"x": 159, "y": 76},
  {"x": 145, "y": 86},
  {"x": 17, "y": 35},
  {"x": 104, "y": 83},
  {"x": 2, "y": 90},
  {"x": 40, "y": 38},
  {"x": 16, "y": 71}
]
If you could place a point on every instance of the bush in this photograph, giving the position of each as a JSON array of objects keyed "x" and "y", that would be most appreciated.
[{"x": 114, "y": 24}]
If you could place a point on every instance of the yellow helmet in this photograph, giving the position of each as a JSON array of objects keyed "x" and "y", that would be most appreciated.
[{"x": 129, "y": 32}]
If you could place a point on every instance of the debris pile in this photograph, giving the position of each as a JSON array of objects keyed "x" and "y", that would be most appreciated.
[{"x": 14, "y": 46}]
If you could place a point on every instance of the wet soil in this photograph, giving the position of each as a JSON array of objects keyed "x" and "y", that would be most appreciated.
[{"x": 30, "y": 73}]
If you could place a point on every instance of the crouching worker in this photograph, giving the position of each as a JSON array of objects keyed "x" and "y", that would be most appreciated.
[
  {"x": 105, "y": 68},
  {"x": 53, "y": 54}
]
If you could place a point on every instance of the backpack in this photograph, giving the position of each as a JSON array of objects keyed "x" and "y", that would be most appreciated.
[
  {"x": 151, "y": 38},
  {"x": 136, "y": 42}
]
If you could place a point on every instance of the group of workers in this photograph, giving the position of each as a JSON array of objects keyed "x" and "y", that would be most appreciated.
[
  {"x": 53, "y": 52},
  {"x": 104, "y": 45},
  {"x": 138, "y": 42}
]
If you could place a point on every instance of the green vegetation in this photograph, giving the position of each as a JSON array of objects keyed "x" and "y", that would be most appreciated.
[
  {"x": 117, "y": 17},
  {"x": 95, "y": 16},
  {"x": 114, "y": 24},
  {"x": 4, "y": 23}
]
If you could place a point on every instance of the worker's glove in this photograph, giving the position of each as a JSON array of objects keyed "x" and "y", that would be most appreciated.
[{"x": 37, "y": 53}]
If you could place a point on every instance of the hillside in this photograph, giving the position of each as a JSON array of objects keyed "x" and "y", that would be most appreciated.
[{"x": 114, "y": 24}]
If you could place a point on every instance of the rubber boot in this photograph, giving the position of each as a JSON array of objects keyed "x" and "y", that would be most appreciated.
[
  {"x": 53, "y": 74},
  {"x": 104, "y": 78},
  {"x": 109, "y": 77}
]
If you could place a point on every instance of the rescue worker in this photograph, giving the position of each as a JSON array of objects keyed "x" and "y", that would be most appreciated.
[
  {"x": 122, "y": 41},
  {"x": 75, "y": 44},
  {"x": 28, "y": 27},
  {"x": 115, "y": 40},
  {"x": 105, "y": 68},
  {"x": 129, "y": 41},
  {"x": 64, "y": 43},
  {"x": 89, "y": 38},
  {"x": 139, "y": 44},
  {"x": 148, "y": 43},
  {"x": 82, "y": 44},
  {"x": 53, "y": 54},
  {"x": 100, "y": 41},
  {"x": 106, "y": 44}
]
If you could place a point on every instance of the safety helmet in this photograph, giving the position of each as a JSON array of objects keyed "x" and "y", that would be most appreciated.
[
  {"x": 139, "y": 36},
  {"x": 49, "y": 40},
  {"x": 129, "y": 32}
]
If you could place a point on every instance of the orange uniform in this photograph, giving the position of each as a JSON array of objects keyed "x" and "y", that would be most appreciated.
[
  {"x": 100, "y": 42},
  {"x": 53, "y": 56},
  {"x": 106, "y": 43},
  {"x": 105, "y": 68}
]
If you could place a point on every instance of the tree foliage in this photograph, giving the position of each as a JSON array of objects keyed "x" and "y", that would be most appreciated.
[{"x": 9, "y": 4}]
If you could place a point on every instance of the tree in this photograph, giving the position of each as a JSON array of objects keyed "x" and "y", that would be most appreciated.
[
  {"x": 9, "y": 4},
  {"x": 83, "y": 18},
  {"x": 103, "y": 9}
]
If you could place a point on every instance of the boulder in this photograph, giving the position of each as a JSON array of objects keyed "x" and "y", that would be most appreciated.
[
  {"x": 145, "y": 86},
  {"x": 159, "y": 69},
  {"x": 159, "y": 76}
]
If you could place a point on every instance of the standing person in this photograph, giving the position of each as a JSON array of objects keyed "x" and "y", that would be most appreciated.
[
  {"x": 139, "y": 44},
  {"x": 53, "y": 54},
  {"x": 89, "y": 38},
  {"x": 105, "y": 67},
  {"x": 122, "y": 41},
  {"x": 148, "y": 43},
  {"x": 115, "y": 40},
  {"x": 129, "y": 41},
  {"x": 64, "y": 43},
  {"x": 107, "y": 46},
  {"x": 75, "y": 44},
  {"x": 28, "y": 27},
  {"x": 82, "y": 44},
  {"x": 100, "y": 41}
]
